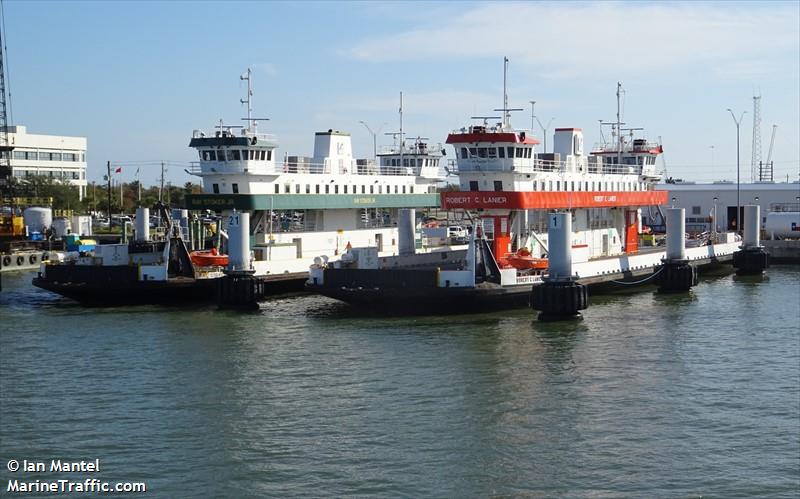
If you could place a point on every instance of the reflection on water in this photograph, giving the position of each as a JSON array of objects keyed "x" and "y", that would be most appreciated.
[{"x": 651, "y": 395}]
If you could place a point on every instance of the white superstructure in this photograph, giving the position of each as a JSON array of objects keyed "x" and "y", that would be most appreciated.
[{"x": 303, "y": 207}]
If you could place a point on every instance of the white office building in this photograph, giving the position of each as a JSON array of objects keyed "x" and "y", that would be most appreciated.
[
  {"x": 705, "y": 203},
  {"x": 54, "y": 156}
]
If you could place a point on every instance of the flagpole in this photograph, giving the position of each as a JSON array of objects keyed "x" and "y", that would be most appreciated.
[
  {"x": 108, "y": 165},
  {"x": 139, "y": 183}
]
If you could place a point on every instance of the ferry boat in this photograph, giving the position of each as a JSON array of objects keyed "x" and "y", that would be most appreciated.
[
  {"x": 509, "y": 190},
  {"x": 302, "y": 207}
]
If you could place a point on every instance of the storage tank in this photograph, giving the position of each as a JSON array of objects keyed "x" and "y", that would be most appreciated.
[
  {"x": 783, "y": 224},
  {"x": 82, "y": 225},
  {"x": 62, "y": 226},
  {"x": 37, "y": 219}
]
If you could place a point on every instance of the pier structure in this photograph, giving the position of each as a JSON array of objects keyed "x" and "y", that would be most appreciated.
[
  {"x": 560, "y": 297},
  {"x": 405, "y": 231},
  {"x": 751, "y": 259},
  {"x": 239, "y": 288},
  {"x": 142, "y": 226},
  {"x": 677, "y": 274}
]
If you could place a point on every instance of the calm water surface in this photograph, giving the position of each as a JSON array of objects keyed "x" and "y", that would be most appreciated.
[{"x": 649, "y": 396}]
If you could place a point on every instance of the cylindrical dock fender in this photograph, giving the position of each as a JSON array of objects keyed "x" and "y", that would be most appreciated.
[
  {"x": 751, "y": 261},
  {"x": 559, "y": 300},
  {"x": 677, "y": 277}
]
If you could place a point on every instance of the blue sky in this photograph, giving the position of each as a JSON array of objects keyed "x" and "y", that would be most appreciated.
[{"x": 137, "y": 77}]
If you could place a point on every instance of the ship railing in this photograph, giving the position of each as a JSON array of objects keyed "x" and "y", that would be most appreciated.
[
  {"x": 228, "y": 132},
  {"x": 417, "y": 148},
  {"x": 354, "y": 167},
  {"x": 546, "y": 166},
  {"x": 627, "y": 147}
]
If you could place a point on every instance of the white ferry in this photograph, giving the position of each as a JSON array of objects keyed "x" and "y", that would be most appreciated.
[{"x": 302, "y": 207}]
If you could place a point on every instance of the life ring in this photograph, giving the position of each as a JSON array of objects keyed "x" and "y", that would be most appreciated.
[
  {"x": 20, "y": 260},
  {"x": 6, "y": 261},
  {"x": 32, "y": 259}
]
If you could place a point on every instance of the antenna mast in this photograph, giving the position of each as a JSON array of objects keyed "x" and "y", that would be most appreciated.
[
  {"x": 619, "y": 124},
  {"x": 249, "y": 101},
  {"x": 505, "y": 93},
  {"x": 756, "y": 156},
  {"x": 402, "y": 140}
]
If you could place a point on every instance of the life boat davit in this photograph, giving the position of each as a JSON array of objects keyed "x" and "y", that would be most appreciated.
[
  {"x": 522, "y": 260},
  {"x": 208, "y": 258}
]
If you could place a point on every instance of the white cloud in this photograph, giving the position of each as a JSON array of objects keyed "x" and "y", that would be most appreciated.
[{"x": 576, "y": 39}]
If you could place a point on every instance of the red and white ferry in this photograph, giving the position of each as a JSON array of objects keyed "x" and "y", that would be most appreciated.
[
  {"x": 512, "y": 188},
  {"x": 508, "y": 189}
]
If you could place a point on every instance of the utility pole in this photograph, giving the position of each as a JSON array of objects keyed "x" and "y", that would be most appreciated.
[
  {"x": 108, "y": 178},
  {"x": 161, "y": 189}
]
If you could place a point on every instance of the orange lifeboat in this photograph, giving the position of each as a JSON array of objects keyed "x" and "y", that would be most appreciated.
[
  {"x": 522, "y": 260},
  {"x": 208, "y": 258}
]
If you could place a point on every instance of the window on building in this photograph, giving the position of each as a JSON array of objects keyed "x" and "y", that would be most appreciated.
[
  {"x": 19, "y": 155},
  {"x": 519, "y": 152},
  {"x": 236, "y": 155},
  {"x": 473, "y": 185},
  {"x": 308, "y": 188},
  {"x": 363, "y": 189},
  {"x": 481, "y": 152},
  {"x": 501, "y": 152},
  {"x": 336, "y": 189},
  {"x": 411, "y": 189},
  {"x": 395, "y": 189},
  {"x": 327, "y": 188},
  {"x": 297, "y": 188},
  {"x": 473, "y": 152},
  {"x": 287, "y": 189},
  {"x": 464, "y": 154},
  {"x": 404, "y": 189},
  {"x": 345, "y": 189},
  {"x": 277, "y": 189},
  {"x": 316, "y": 189},
  {"x": 372, "y": 189},
  {"x": 695, "y": 210},
  {"x": 498, "y": 185},
  {"x": 235, "y": 188},
  {"x": 215, "y": 187},
  {"x": 269, "y": 155}
]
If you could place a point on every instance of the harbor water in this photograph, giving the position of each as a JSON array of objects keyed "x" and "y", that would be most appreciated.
[{"x": 651, "y": 395}]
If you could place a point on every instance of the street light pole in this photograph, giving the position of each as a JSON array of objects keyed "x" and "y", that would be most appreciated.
[
  {"x": 738, "y": 204},
  {"x": 533, "y": 115},
  {"x": 544, "y": 131},
  {"x": 374, "y": 141}
]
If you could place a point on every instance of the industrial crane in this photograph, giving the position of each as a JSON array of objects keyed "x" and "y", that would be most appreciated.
[
  {"x": 766, "y": 173},
  {"x": 5, "y": 146}
]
